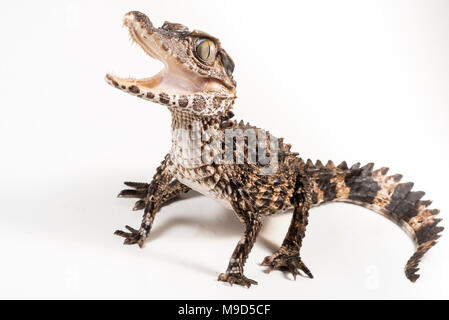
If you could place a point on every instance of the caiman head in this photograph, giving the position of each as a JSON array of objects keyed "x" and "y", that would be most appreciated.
[{"x": 197, "y": 74}]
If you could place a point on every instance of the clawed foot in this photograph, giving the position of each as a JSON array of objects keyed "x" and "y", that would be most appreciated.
[
  {"x": 139, "y": 191},
  {"x": 283, "y": 261},
  {"x": 236, "y": 278},
  {"x": 131, "y": 237}
]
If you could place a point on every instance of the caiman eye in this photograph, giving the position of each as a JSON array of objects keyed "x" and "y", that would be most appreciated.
[{"x": 206, "y": 50}]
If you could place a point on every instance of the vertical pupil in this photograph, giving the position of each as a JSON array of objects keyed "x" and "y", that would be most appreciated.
[{"x": 204, "y": 49}]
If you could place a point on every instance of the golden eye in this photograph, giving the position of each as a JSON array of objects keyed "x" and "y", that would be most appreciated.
[{"x": 205, "y": 50}]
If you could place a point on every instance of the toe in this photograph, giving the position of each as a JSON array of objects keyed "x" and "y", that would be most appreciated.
[{"x": 237, "y": 278}]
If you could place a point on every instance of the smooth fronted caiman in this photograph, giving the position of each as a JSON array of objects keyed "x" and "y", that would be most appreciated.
[{"x": 196, "y": 85}]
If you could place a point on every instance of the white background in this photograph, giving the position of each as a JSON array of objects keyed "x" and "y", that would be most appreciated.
[{"x": 342, "y": 80}]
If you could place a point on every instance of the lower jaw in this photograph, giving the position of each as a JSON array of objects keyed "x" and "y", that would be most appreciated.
[{"x": 202, "y": 98}]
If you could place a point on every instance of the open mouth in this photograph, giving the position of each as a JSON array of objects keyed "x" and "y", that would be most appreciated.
[{"x": 174, "y": 78}]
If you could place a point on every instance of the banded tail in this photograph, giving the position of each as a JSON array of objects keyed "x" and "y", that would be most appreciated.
[{"x": 383, "y": 194}]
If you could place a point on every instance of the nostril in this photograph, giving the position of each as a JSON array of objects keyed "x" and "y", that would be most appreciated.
[
  {"x": 128, "y": 18},
  {"x": 133, "y": 14},
  {"x": 136, "y": 16}
]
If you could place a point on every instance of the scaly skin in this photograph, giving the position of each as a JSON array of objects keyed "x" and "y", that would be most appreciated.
[{"x": 198, "y": 88}]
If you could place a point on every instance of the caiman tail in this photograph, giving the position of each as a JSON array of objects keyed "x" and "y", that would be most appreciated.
[{"x": 383, "y": 194}]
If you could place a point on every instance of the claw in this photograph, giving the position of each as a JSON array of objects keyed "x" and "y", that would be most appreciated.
[
  {"x": 134, "y": 231},
  {"x": 292, "y": 263},
  {"x": 139, "y": 190},
  {"x": 266, "y": 261},
  {"x": 121, "y": 233},
  {"x": 137, "y": 185},
  {"x": 131, "y": 237},
  {"x": 128, "y": 193},
  {"x": 236, "y": 278},
  {"x": 293, "y": 271},
  {"x": 306, "y": 270},
  {"x": 139, "y": 205}
]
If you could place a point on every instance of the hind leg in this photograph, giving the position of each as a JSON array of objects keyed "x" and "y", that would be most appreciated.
[
  {"x": 234, "y": 272},
  {"x": 287, "y": 257}
]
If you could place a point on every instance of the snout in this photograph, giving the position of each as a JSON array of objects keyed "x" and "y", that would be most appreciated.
[{"x": 135, "y": 17}]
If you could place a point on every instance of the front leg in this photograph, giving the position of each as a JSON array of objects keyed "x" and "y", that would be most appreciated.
[
  {"x": 287, "y": 256},
  {"x": 155, "y": 197},
  {"x": 234, "y": 272},
  {"x": 140, "y": 191}
]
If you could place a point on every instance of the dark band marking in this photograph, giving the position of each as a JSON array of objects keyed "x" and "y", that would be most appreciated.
[
  {"x": 183, "y": 101},
  {"x": 314, "y": 198},
  {"x": 150, "y": 95},
  {"x": 428, "y": 232},
  {"x": 361, "y": 183},
  {"x": 164, "y": 98},
  {"x": 134, "y": 89},
  {"x": 324, "y": 183},
  {"x": 399, "y": 204}
]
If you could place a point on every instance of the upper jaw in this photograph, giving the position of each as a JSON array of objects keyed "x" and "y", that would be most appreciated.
[{"x": 175, "y": 78}]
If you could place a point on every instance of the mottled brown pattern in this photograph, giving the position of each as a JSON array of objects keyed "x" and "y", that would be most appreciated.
[
  {"x": 394, "y": 200},
  {"x": 198, "y": 103},
  {"x": 217, "y": 101},
  {"x": 245, "y": 188},
  {"x": 412, "y": 264},
  {"x": 342, "y": 189},
  {"x": 424, "y": 218}
]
